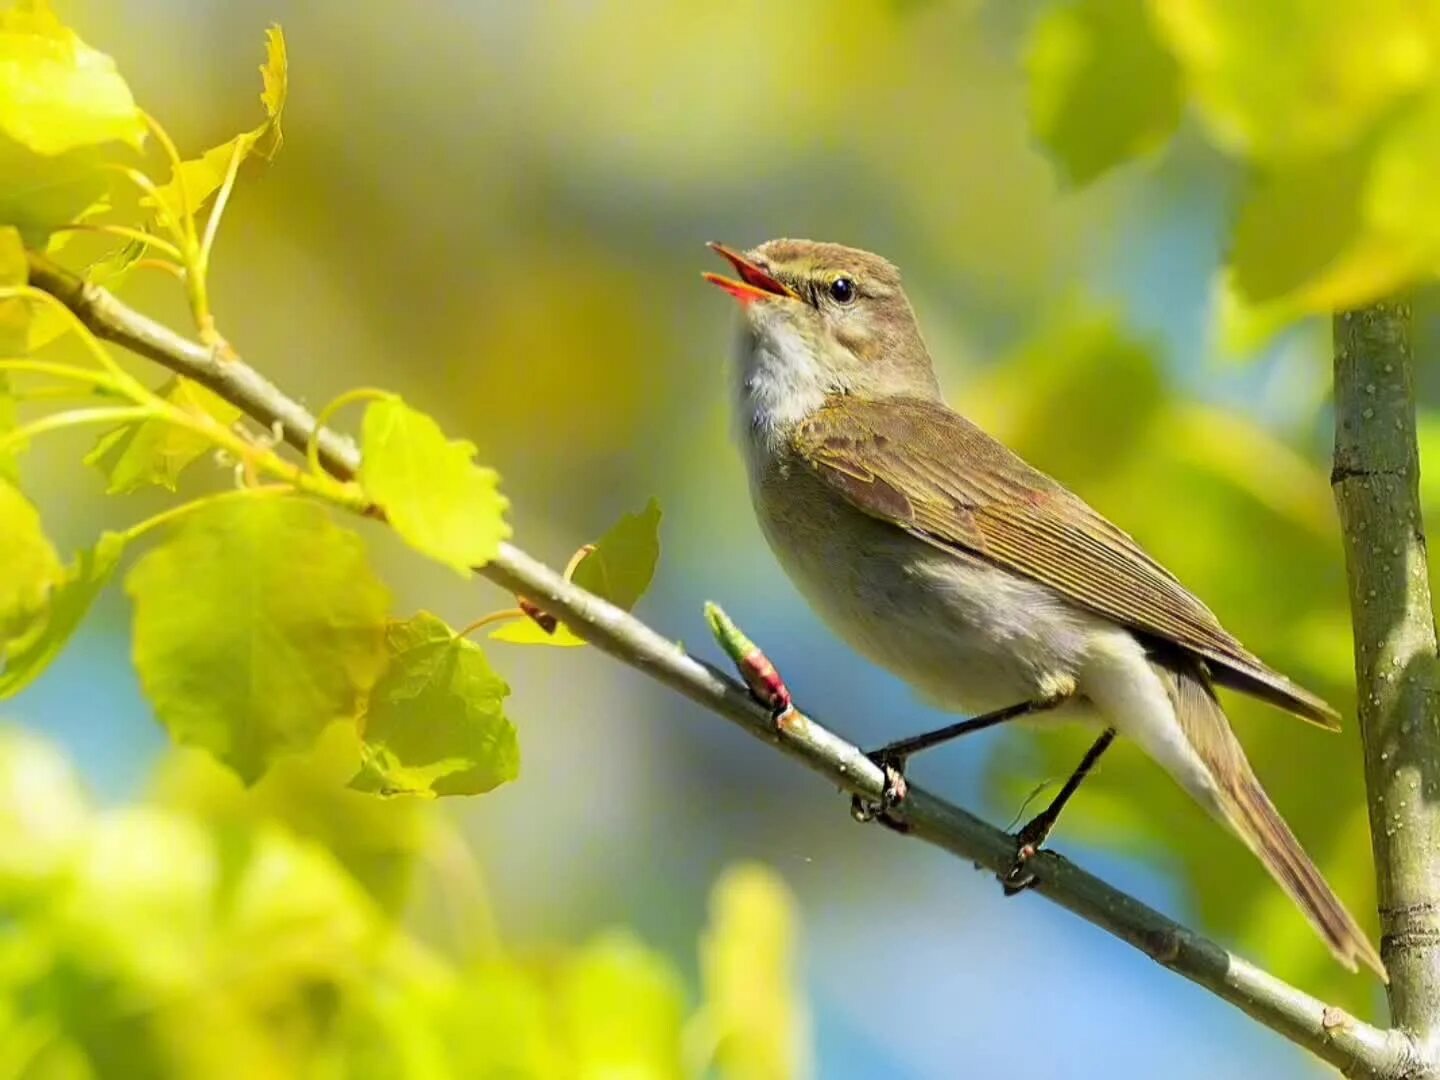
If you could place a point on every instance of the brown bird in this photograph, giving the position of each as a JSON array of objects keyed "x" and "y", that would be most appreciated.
[{"x": 944, "y": 557}]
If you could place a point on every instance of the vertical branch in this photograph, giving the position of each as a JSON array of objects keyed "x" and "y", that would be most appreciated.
[{"x": 1376, "y": 485}]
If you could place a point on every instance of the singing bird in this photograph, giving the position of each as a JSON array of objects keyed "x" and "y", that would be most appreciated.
[{"x": 939, "y": 554}]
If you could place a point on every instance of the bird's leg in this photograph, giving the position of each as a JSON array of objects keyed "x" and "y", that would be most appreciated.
[
  {"x": 893, "y": 756},
  {"x": 1035, "y": 832}
]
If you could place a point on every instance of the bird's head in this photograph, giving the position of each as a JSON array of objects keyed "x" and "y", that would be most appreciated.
[{"x": 824, "y": 319}]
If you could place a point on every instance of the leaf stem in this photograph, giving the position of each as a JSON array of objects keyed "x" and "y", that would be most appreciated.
[
  {"x": 139, "y": 236},
  {"x": 361, "y": 393},
  {"x": 75, "y": 418},
  {"x": 175, "y": 513},
  {"x": 63, "y": 371},
  {"x": 131, "y": 386},
  {"x": 187, "y": 214},
  {"x": 506, "y": 615},
  {"x": 222, "y": 197}
]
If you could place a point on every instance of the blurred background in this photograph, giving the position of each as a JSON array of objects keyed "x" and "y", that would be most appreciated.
[{"x": 500, "y": 210}]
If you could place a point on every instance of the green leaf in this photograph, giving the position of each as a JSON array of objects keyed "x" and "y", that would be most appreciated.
[
  {"x": 1302, "y": 243},
  {"x": 57, "y": 93},
  {"x": 39, "y": 193},
  {"x": 1400, "y": 191},
  {"x": 14, "y": 331},
  {"x": 257, "y": 624},
  {"x": 155, "y": 451},
  {"x": 69, "y": 603},
  {"x": 1290, "y": 78},
  {"x": 9, "y": 420},
  {"x": 621, "y": 1008},
  {"x": 435, "y": 724},
  {"x": 31, "y": 567},
  {"x": 1103, "y": 88},
  {"x": 432, "y": 492},
  {"x": 203, "y": 176},
  {"x": 14, "y": 312},
  {"x": 623, "y": 563},
  {"x": 619, "y": 568},
  {"x": 753, "y": 1020}
]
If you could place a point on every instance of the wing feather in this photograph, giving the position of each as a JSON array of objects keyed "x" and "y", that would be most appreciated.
[{"x": 901, "y": 461}]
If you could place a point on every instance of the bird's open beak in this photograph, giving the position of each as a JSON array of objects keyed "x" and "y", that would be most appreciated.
[{"x": 755, "y": 283}]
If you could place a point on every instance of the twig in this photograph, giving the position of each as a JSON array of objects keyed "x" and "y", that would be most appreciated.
[{"x": 1356, "y": 1048}]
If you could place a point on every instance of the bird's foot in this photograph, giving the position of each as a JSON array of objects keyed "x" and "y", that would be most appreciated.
[
  {"x": 1028, "y": 842},
  {"x": 891, "y": 795}
]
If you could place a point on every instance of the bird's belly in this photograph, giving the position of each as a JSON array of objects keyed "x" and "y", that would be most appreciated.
[{"x": 966, "y": 635}]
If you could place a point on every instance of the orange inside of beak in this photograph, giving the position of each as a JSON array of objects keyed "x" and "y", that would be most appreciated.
[{"x": 755, "y": 283}]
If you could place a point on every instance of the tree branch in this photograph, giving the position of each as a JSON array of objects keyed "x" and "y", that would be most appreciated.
[
  {"x": 1376, "y": 485},
  {"x": 1356, "y": 1048}
]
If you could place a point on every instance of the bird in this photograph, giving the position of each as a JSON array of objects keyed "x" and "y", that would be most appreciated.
[{"x": 995, "y": 592}]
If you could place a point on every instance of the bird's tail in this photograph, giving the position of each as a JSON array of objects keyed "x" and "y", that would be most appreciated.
[{"x": 1243, "y": 804}]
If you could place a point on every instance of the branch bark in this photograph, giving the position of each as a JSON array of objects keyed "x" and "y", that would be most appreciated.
[
  {"x": 1358, "y": 1049},
  {"x": 1376, "y": 485}
]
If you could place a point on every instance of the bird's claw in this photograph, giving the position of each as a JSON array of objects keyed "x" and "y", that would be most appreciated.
[
  {"x": 891, "y": 795},
  {"x": 1019, "y": 876}
]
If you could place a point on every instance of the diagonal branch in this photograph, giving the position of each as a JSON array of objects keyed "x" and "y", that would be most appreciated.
[{"x": 1356, "y": 1048}]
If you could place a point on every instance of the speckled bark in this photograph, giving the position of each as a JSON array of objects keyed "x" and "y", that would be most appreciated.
[{"x": 1376, "y": 484}]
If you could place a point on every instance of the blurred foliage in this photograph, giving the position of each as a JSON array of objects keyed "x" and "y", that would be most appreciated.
[{"x": 214, "y": 931}]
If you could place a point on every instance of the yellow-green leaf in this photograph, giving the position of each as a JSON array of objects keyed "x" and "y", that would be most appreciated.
[
  {"x": 753, "y": 1020},
  {"x": 155, "y": 451},
  {"x": 619, "y": 568},
  {"x": 430, "y": 488},
  {"x": 623, "y": 563},
  {"x": 1103, "y": 88},
  {"x": 68, "y": 604},
  {"x": 9, "y": 420},
  {"x": 39, "y": 193},
  {"x": 203, "y": 176},
  {"x": 1302, "y": 239},
  {"x": 621, "y": 1007},
  {"x": 435, "y": 724},
  {"x": 30, "y": 566},
  {"x": 1296, "y": 77},
  {"x": 1400, "y": 197},
  {"x": 14, "y": 332},
  {"x": 57, "y": 93},
  {"x": 15, "y": 311},
  {"x": 258, "y": 623}
]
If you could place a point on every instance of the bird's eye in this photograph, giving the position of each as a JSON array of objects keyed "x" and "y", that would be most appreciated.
[{"x": 842, "y": 290}]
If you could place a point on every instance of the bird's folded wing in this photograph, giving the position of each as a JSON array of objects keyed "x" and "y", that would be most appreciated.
[{"x": 930, "y": 471}]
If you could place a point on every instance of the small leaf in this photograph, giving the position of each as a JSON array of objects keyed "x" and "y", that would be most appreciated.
[
  {"x": 31, "y": 567},
  {"x": 155, "y": 451},
  {"x": 204, "y": 175},
  {"x": 256, "y": 625},
  {"x": 753, "y": 1019},
  {"x": 529, "y": 632},
  {"x": 432, "y": 492},
  {"x": 623, "y": 563},
  {"x": 1103, "y": 88},
  {"x": 435, "y": 723},
  {"x": 57, "y": 93},
  {"x": 69, "y": 603},
  {"x": 619, "y": 569}
]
